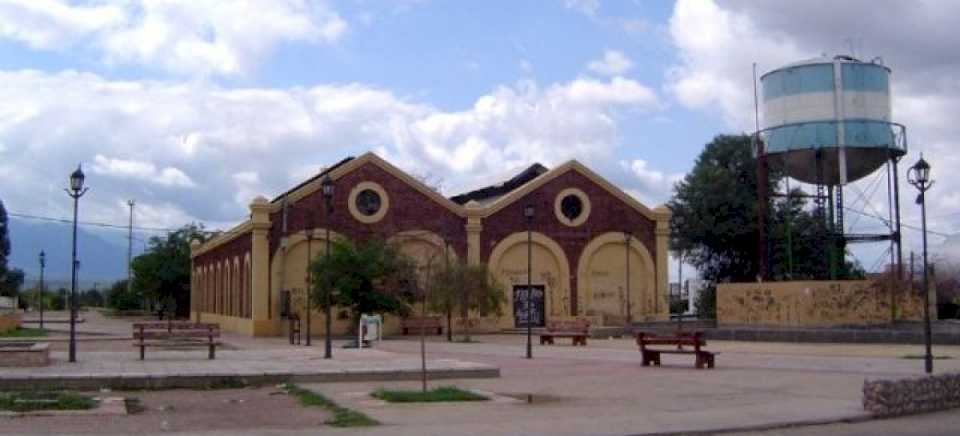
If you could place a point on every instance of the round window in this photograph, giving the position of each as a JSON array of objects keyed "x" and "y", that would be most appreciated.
[
  {"x": 571, "y": 207},
  {"x": 368, "y": 202}
]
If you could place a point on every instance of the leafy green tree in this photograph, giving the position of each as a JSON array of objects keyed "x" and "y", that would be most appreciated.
[
  {"x": 10, "y": 279},
  {"x": 715, "y": 220},
  {"x": 367, "y": 277},
  {"x": 120, "y": 297},
  {"x": 91, "y": 298},
  {"x": 465, "y": 289},
  {"x": 162, "y": 273},
  {"x": 58, "y": 301}
]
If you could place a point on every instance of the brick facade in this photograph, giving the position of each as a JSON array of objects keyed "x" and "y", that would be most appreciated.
[
  {"x": 609, "y": 214},
  {"x": 472, "y": 230},
  {"x": 409, "y": 209}
]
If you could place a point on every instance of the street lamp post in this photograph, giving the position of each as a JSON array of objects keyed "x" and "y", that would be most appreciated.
[
  {"x": 43, "y": 264},
  {"x": 327, "y": 188},
  {"x": 528, "y": 212},
  {"x": 75, "y": 191},
  {"x": 919, "y": 177},
  {"x": 309, "y": 286}
]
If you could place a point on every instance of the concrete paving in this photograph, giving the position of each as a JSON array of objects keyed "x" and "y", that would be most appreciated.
[{"x": 599, "y": 389}]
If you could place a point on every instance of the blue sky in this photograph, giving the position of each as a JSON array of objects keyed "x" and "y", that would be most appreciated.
[{"x": 193, "y": 107}]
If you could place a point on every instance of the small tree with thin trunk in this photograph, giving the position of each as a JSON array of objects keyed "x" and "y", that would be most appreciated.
[{"x": 463, "y": 288}]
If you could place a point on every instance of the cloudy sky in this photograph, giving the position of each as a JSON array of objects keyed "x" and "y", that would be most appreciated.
[{"x": 193, "y": 107}]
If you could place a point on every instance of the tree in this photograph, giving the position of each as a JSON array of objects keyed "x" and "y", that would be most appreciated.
[
  {"x": 10, "y": 279},
  {"x": 463, "y": 288},
  {"x": 91, "y": 298},
  {"x": 162, "y": 273},
  {"x": 367, "y": 277},
  {"x": 715, "y": 220},
  {"x": 11, "y": 282},
  {"x": 120, "y": 297}
]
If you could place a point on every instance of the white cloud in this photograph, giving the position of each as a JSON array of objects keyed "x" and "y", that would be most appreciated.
[
  {"x": 182, "y": 36},
  {"x": 149, "y": 140},
  {"x": 586, "y": 7},
  {"x": 614, "y": 63},
  {"x": 650, "y": 185},
  {"x": 142, "y": 171}
]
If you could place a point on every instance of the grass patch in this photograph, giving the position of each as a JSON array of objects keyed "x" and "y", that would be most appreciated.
[
  {"x": 443, "y": 393},
  {"x": 921, "y": 357},
  {"x": 20, "y": 332},
  {"x": 342, "y": 417},
  {"x": 27, "y": 401}
]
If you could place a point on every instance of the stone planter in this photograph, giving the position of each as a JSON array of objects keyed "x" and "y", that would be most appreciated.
[{"x": 19, "y": 354}]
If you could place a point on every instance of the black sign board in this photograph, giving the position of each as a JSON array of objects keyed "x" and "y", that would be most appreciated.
[{"x": 537, "y": 310}]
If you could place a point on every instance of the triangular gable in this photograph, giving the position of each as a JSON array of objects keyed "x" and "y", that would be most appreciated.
[
  {"x": 371, "y": 158},
  {"x": 657, "y": 214}
]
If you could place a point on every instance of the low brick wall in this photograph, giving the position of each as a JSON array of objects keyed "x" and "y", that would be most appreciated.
[
  {"x": 812, "y": 304},
  {"x": 914, "y": 395},
  {"x": 9, "y": 321}
]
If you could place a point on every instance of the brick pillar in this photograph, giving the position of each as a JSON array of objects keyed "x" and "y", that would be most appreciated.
[
  {"x": 474, "y": 227},
  {"x": 662, "y": 232},
  {"x": 262, "y": 324}
]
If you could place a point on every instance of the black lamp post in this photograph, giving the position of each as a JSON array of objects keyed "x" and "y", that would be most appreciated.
[
  {"x": 75, "y": 191},
  {"x": 309, "y": 286},
  {"x": 528, "y": 212},
  {"x": 919, "y": 176},
  {"x": 327, "y": 188},
  {"x": 43, "y": 264}
]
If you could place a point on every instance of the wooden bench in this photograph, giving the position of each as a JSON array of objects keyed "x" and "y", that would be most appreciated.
[
  {"x": 176, "y": 336},
  {"x": 414, "y": 323},
  {"x": 577, "y": 329},
  {"x": 680, "y": 339}
]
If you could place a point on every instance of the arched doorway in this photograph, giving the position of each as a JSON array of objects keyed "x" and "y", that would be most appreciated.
[
  {"x": 602, "y": 278},
  {"x": 550, "y": 274}
]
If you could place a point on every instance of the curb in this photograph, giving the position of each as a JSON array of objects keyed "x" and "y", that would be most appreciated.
[
  {"x": 187, "y": 381},
  {"x": 765, "y": 427}
]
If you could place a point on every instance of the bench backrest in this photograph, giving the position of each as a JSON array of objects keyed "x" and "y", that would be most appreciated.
[
  {"x": 694, "y": 339},
  {"x": 162, "y": 330},
  {"x": 575, "y": 325}
]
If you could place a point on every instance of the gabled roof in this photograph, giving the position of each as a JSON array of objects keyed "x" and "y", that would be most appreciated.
[
  {"x": 345, "y": 166},
  {"x": 316, "y": 177},
  {"x": 657, "y": 214},
  {"x": 490, "y": 193}
]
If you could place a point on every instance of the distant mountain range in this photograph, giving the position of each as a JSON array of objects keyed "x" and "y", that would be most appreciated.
[{"x": 102, "y": 253}]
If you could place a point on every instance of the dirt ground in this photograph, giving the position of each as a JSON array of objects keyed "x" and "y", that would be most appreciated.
[{"x": 180, "y": 410}]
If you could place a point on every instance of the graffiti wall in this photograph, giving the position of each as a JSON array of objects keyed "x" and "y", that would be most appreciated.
[{"x": 815, "y": 303}]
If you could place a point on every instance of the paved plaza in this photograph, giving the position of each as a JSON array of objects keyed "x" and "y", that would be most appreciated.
[{"x": 565, "y": 390}]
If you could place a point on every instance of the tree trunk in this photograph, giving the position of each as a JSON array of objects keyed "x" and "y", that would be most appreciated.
[{"x": 449, "y": 324}]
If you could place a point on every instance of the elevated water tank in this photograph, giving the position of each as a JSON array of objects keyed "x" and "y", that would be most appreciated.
[{"x": 827, "y": 120}]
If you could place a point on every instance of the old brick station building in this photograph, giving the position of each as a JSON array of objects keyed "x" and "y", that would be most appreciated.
[{"x": 579, "y": 231}]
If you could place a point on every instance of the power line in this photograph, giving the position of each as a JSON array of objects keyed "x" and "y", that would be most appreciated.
[{"x": 109, "y": 225}]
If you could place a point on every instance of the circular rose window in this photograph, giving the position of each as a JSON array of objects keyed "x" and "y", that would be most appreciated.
[
  {"x": 368, "y": 202},
  {"x": 572, "y": 207}
]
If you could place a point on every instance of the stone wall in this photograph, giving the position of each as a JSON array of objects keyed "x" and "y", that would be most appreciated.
[
  {"x": 9, "y": 321},
  {"x": 812, "y": 304},
  {"x": 906, "y": 396}
]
